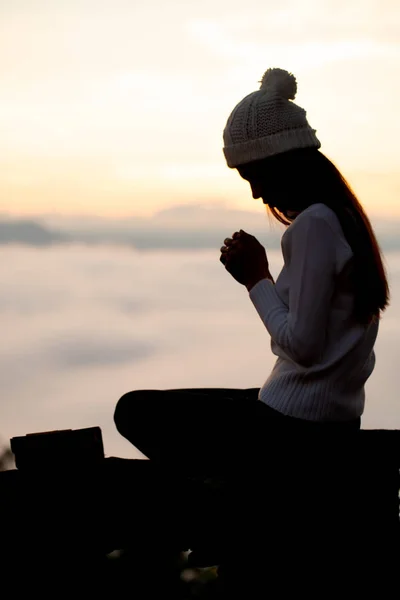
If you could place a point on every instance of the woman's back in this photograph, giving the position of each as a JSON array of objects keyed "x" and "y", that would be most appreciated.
[{"x": 324, "y": 354}]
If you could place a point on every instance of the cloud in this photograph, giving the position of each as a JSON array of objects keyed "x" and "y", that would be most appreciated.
[
  {"x": 97, "y": 322},
  {"x": 28, "y": 232},
  {"x": 186, "y": 226},
  {"x": 80, "y": 351},
  {"x": 281, "y": 37},
  {"x": 124, "y": 320},
  {"x": 329, "y": 23}
]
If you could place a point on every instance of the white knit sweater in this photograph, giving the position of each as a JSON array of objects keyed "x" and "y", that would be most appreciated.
[{"x": 324, "y": 355}]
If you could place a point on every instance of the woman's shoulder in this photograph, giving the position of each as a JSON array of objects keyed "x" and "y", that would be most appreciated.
[
  {"x": 313, "y": 213},
  {"x": 320, "y": 212}
]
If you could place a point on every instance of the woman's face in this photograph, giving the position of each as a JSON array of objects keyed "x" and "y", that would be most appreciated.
[
  {"x": 257, "y": 182},
  {"x": 267, "y": 188},
  {"x": 266, "y": 185}
]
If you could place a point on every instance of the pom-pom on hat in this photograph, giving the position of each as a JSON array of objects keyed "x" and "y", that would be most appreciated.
[{"x": 267, "y": 122}]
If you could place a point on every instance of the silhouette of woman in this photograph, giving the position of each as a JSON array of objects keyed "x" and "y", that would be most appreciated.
[{"x": 322, "y": 313}]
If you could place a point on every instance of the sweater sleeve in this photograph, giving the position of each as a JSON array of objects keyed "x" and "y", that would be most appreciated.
[{"x": 300, "y": 328}]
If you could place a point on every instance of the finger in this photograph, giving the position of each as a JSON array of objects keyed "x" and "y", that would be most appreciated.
[
  {"x": 233, "y": 251},
  {"x": 223, "y": 259},
  {"x": 228, "y": 241},
  {"x": 236, "y": 235},
  {"x": 245, "y": 235}
]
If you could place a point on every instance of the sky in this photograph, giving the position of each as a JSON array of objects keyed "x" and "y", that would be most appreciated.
[
  {"x": 84, "y": 325},
  {"x": 114, "y": 107}
]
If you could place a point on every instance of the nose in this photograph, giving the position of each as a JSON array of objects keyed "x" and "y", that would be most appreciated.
[{"x": 256, "y": 190}]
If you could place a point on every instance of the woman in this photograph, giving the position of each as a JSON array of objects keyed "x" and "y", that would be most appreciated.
[{"x": 322, "y": 313}]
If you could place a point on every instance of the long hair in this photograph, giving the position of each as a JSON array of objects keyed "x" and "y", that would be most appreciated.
[{"x": 294, "y": 180}]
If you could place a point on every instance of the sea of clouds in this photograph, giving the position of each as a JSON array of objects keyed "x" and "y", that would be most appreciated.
[{"x": 83, "y": 325}]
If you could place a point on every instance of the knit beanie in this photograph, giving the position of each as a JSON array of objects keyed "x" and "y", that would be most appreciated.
[{"x": 267, "y": 122}]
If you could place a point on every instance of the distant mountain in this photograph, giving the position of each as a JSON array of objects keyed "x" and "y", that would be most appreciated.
[
  {"x": 30, "y": 233},
  {"x": 178, "y": 227}
]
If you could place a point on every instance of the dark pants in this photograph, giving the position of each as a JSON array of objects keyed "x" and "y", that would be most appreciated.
[
  {"x": 280, "y": 501},
  {"x": 210, "y": 428}
]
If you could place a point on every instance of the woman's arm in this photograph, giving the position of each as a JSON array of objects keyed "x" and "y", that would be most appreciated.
[
  {"x": 254, "y": 282},
  {"x": 300, "y": 328}
]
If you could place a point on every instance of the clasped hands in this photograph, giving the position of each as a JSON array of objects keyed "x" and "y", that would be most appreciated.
[{"x": 245, "y": 259}]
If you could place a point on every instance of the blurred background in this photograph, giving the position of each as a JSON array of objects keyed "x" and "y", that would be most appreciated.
[{"x": 115, "y": 196}]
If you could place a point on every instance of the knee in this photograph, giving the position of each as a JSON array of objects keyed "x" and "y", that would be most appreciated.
[
  {"x": 128, "y": 410},
  {"x": 120, "y": 411}
]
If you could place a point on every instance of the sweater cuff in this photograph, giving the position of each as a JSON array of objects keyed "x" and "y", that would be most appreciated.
[{"x": 264, "y": 296}]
